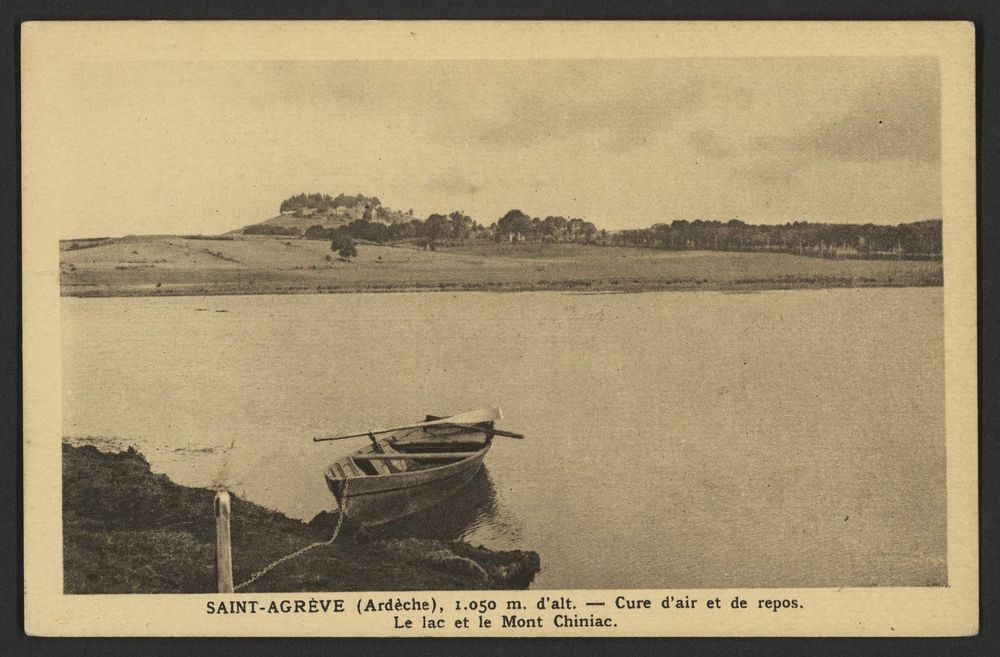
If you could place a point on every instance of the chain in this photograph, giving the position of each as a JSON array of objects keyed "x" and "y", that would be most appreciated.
[{"x": 298, "y": 553}]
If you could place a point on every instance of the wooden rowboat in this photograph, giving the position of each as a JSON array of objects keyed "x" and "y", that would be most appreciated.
[{"x": 412, "y": 467}]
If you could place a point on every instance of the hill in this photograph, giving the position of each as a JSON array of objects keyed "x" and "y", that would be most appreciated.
[{"x": 302, "y": 211}]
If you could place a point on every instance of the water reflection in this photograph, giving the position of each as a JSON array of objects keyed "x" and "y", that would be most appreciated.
[{"x": 474, "y": 512}]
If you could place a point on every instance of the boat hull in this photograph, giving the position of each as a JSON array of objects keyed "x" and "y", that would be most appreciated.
[{"x": 375, "y": 500}]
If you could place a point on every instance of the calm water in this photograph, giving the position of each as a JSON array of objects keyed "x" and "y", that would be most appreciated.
[{"x": 791, "y": 438}]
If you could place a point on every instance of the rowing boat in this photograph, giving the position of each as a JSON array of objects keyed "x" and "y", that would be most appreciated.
[{"x": 411, "y": 467}]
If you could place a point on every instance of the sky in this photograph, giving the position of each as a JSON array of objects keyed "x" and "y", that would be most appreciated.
[{"x": 181, "y": 147}]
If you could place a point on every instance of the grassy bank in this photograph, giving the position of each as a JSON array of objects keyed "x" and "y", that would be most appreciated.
[
  {"x": 170, "y": 266},
  {"x": 127, "y": 530}
]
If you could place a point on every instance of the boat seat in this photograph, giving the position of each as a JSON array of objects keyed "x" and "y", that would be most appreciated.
[
  {"x": 395, "y": 465},
  {"x": 442, "y": 446},
  {"x": 381, "y": 467},
  {"x": 352, "y": 470}
]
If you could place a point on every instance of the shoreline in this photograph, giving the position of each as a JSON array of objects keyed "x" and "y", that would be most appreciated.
[
  {"x": 595, "y": 286},
  {"x": 177, "y": 266},
  {"x": 128, "y": 530}
]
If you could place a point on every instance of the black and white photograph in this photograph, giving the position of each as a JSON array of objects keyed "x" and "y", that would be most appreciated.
[{"x": 534, "y": 323}]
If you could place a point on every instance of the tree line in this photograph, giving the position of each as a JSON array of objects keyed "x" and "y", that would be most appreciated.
[
  {"x": 915, "y": 239},
  {"x": 322, "y": 202},
  {"x": 437, "y": 228},
  {"x": 514, "y": 226}
]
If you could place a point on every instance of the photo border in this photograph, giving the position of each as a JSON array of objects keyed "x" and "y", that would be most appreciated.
[{"x": 988, "y": 234}]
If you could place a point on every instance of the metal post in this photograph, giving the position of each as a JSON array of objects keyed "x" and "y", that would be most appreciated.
[{"x": 223, "y": 547}]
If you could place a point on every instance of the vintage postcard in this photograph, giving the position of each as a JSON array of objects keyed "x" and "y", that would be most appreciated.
[{"x": 499, "y": 329}]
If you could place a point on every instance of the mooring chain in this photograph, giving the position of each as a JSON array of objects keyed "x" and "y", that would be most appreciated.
[{"x": 298, "y": 553}]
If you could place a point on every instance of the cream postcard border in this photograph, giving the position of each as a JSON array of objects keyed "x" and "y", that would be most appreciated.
[{"x": 951, "y": 610}]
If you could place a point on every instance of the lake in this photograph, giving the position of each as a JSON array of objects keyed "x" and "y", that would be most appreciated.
[{"x": 675, "y": 439}]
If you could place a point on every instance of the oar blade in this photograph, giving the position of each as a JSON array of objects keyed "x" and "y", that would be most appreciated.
[{"x": 470, "y": 417}]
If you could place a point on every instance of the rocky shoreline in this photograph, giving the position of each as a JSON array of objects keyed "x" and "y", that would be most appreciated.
[{"x": 128, "y": 530}]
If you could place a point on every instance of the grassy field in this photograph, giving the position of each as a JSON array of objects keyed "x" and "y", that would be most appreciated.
[
  {"x": 127, "y": 530},
  {"x": 169, "y": 265}
]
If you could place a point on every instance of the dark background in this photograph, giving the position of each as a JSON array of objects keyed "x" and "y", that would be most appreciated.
[{"x": 13, "y": 12}]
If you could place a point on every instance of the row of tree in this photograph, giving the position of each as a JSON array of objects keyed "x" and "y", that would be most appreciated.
[
  {"x": 917, "y": 239},
  {"x": 436, "y": 228},
  {"x": 920, "y": 239},
  {"x": 322, "y": 202},
  {"x": 514, "y": 226},
  {"x": 518, "y": 227}
]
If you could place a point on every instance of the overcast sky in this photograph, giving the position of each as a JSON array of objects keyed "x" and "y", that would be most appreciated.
[{"x": 193, "y": 147}]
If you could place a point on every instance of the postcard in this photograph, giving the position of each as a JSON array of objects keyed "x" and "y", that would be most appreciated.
[{"x": 415, "y": 329}]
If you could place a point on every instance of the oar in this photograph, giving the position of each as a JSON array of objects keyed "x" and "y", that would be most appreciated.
[
  {"x": 484, "y": 415},
  {"x": 495, "y": 432}
]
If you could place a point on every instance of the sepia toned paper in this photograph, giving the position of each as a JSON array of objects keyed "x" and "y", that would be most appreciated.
[{"x": 848, "y": 523}]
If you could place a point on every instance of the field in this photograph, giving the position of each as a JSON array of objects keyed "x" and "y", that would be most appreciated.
[{"x": 174, "y": 265}]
